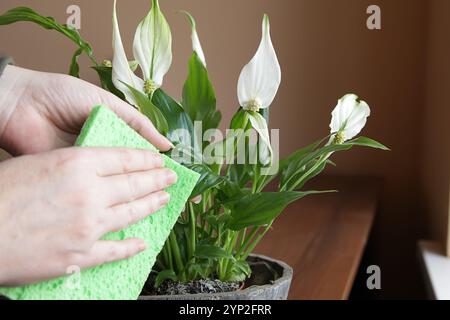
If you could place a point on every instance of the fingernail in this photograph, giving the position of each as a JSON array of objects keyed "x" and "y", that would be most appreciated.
[
  {"x": 164, "y": 198},
  {"x": 171, "y": 177}
]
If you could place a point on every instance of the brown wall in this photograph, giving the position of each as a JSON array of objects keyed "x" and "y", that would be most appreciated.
[
  {"x": 436, "y": 133},
  {"x": 325, "y": 51}
]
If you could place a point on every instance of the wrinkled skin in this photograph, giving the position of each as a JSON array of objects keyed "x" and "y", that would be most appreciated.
[{"x": 57, "y": 201}]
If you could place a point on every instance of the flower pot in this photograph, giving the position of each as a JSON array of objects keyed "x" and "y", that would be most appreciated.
[{"x": 270, "y": 280}]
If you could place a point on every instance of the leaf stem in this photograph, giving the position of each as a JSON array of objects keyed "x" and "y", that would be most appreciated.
[
  {"x": 247, "y": 241},
  {"x": 177, "y": 256},
  {"x": 193, "y": 225},
  {"x": 257, "y": 240}
]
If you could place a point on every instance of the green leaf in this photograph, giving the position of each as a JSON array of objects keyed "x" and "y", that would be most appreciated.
[
  {"x": 301, "y": 164},
  {"x": 230, "y": 191},
  {"x": 240, "y": 271},
  {"x": 165, "y": 275},
  {"x": 105, "y": 75},
  {"x": 239, "y": 120},
  {"x": 261, "y": 208},
  {"x": 265, "y": 112},
  {"x": 74, "y": 69},
  {"x": 207, "y": 179},
  {"x": 199, "y": 98},
  {"x": 177, "y": 118},
  {"x": 304, "y": 177},
  {"x": 209, "y": 251},
  {"x": 216, "y": 220},
  {"x": 243, "y": 266},
  {"x": 240, "y": 174},
  {"x": 300, "y": 154},
  {"x": 26, "y": 14},
  {"x": 147, "y": 108},
  {"x": 203, "y": 269},
  {"x": 367, "y": 142}
]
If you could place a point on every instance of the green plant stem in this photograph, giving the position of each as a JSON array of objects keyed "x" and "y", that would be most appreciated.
[
  {"x": 247, "y": 241},
  {"x": 242, "y": 235},
  {"x": 193, "y": 225},
  {"x": 255, "y": 179},
  {"x": 228, "y": 265},
  {"x": 257, "y": 240},
  {"x": 229, "y": 249},
  {"x": 222, "y": 261},
  {"x": 177, "y": 256},
  {"x": 168, "y": 252},
  {"x": 319, "y": 162},
  {"x": 204, "y": 206}
]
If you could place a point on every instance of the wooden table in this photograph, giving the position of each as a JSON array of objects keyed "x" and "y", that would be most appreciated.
[{"x": 323, "y": 237}]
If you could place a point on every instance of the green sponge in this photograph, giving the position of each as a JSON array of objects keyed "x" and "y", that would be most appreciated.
[{"x": 123, "y": 279}]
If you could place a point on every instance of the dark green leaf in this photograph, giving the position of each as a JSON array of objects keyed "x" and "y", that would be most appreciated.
[
  {"x": 165, "y": 275},
  {"x": 265, "y": 112},
  {"x": 240, "y": 120},
  {"x": 229, "y": 191},
  {"x": 26, "y": 14},
  {"x": 74, "y": 67},
  {"x": 240, "y": 174},
  {"x": 301, "y": 178},
  {"x": 147, "y": 108},
  {"x": 105, "y": 75},
  {"x": 305, "y": 160},
  {"x": 300, "y": 154},
  {"x": 367, "y": 142},
  {"x": 209, "y": 251},
  {"x": 216, "y": 220},
  {"x": 207, "y": 179},
  {"x": 296, "y": 168},
  {"x": 261, "y": 208},
  {"x": 177, "y": 118},
  {"x": 199, "y": 98}
]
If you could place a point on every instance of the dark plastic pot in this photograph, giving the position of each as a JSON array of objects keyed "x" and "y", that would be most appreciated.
[{"x": 270, "y": 280}]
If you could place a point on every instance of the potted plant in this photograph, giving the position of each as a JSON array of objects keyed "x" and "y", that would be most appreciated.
[{"x": 209, "y": 252}]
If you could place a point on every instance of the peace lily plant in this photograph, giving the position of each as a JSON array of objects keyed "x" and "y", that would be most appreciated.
[{"x": 214, "y": 237}]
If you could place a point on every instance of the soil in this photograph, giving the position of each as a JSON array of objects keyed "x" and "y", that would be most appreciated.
[
  {"x": 262, "y": 273},
  {"x": 200, "y": 286}
]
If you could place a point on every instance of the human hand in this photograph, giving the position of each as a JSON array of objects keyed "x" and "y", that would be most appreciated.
[
  {"x": 57, "y": 205},
  {"x": 44, "y": 111}
]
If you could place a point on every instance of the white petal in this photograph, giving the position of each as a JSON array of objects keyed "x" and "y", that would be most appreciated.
[
  {"x": 121, "y": 72},
  {"x": 260, "y": 125},
  {"x": 357, "y": 120},
  {"x": 349, "y": 116},
  {"x": 196, "y": 45},
  {"x": 153, "y": 45},
  {"x": 261, "y": 78}
]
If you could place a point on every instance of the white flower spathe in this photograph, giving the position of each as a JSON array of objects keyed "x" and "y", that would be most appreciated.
[
  {"x": 152, "y": 45},
  {"x": 348, "y": 118},
  {"x": 196, "y": 44},
  {"x": 152, "y": 49},
  {"x": 121, "y": 71},
  {"x": 261, "y": 77},
  {"x": 260, "y": 125}
]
